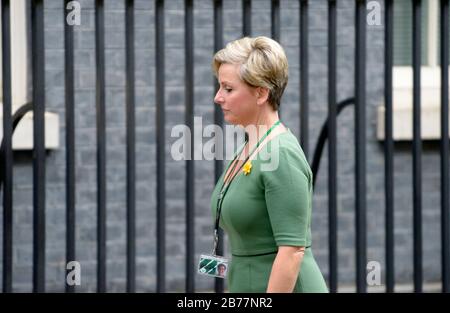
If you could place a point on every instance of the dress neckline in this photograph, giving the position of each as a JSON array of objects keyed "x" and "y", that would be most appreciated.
[{"x": 287, "y": 131}]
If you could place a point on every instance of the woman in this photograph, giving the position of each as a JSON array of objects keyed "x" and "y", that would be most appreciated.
[{"x": 266, "y": 213}]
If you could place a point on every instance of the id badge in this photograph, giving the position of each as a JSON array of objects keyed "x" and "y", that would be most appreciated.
[{"x": 213, "y": 265}]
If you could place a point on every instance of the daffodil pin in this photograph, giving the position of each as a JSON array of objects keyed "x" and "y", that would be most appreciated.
[{"x": 247, "y": 168}]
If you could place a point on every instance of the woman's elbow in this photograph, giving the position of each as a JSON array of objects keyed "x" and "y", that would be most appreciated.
[{"x": 296, "y": 252}]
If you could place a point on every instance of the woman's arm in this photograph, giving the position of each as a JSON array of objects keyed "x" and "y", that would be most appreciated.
[{"x": 285, "y": 269}]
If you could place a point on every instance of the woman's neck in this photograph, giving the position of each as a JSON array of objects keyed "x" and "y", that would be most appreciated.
[
  {"x": 267, "y": 120},
  {"x": 261, "y": 125}
]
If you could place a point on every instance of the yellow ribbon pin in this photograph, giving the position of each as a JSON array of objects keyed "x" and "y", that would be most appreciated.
[{"x": 247, "y": 168}]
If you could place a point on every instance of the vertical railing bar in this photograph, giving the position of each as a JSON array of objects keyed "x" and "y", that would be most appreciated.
[
  {"x": 332, "y": 157},
  {"x": 445, "y": 214},
  {"x": 304, "y": 78},
  {"x": 101, "y": 145},
  {"x": 7, "y": 162},
  {"x": 190, "y": 191},
  {"x": 417, "y": 147},
  {"x": 131, "y": 151},
  {"x": 275, "y": 17},
  {"x": 218, "y": 120},
  {"x": 247, "y": 18},
  {"x": 37, "y": 38},
  {"x": 360, "y": 141},
  {"x": 70, "y": 142},
  {"x": 160, "y": 146},
  {"x": 389, "y": 147}
]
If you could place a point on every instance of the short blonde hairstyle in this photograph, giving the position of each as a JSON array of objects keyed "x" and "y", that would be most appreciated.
[{"x": 262, "y": 61}]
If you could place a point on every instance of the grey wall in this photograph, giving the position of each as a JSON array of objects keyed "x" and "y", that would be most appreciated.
[{"x": 204, "y": 170}]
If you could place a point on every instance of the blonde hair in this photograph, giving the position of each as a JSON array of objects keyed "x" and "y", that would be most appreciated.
[{"x": 262, "y": 61}]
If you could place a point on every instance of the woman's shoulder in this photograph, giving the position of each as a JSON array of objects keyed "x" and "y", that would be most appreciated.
[
  {"x": 286, "y": 156},
  {"x": 289, "y": 147}
]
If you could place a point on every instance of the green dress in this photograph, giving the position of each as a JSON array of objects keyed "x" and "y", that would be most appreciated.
[{"x": 267, "y": 208}]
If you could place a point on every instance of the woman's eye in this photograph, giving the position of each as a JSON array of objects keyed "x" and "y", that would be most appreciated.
[{"x": 228, "y": 89}]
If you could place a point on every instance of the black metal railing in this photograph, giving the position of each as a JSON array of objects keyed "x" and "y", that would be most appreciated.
[
  {"x": 131, "y": 155},
  {"x": 70, "y": 141},
  {"x": 360, "y": 142},
  {"x": 218, "y": 117},
  {"x": 189, "y": 119},
  {"x": 38, "y": 78},
  {"x": 389, "y": 145},
  {"x": 101, "y": 143},
  {"x": 445, "y": 206},
  {"x": 328, "y": 133},
  {"x": 160, "y": 147},
  {"x": 332, "y": 159},
  {"x": 417, "y": 147},
  {"x": 6, "y": 149}
]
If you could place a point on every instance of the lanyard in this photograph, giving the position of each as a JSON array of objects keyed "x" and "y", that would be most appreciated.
[{"x": 224, "y": 189}]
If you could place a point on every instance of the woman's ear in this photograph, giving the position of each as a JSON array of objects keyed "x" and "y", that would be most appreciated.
[{"x": 262, "y": 94}]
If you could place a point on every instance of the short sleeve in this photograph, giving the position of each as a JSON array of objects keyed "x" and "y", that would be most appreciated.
[{"x": 288, "y": 193}]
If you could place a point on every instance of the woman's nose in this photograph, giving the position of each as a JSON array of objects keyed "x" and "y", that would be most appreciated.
[{"x": 218, "y": 98}]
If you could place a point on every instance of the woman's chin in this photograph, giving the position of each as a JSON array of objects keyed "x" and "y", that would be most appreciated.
[{"x": 229, "y": 119}]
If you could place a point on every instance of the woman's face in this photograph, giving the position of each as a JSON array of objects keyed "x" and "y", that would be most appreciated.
[{"x": 237, "y": 100}]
